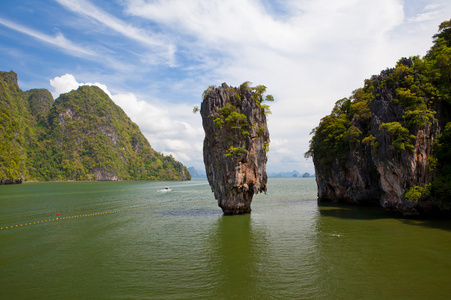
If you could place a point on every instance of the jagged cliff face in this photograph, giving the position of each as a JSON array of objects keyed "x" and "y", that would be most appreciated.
[
  {"x": 384, "y": 146},
  {"x": 355, "y": 181},
  {"x": 401, "y": 169},
  {"x": 235, "y": 145},
  {"x": 388, "y": 144}
]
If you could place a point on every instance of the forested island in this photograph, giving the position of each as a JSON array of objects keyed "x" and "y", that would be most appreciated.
[
  {"x": 389, "y": 143},
  {"x": 82, "y": 135}
]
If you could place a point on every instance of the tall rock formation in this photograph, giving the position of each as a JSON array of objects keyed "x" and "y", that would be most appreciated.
[
  {"x": 384, "y": 145},
  {"x": 235, "y": 145},
  {"x": 379, "y": 154}
]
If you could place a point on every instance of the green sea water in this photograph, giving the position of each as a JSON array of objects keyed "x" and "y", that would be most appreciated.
[{"x": 130, "y": 240}]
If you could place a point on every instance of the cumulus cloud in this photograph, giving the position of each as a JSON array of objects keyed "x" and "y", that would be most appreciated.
[
  {"x": 159, "y": 122},
  {"x": 63, "y": 84},
  {"x": 67, "y": 83}
]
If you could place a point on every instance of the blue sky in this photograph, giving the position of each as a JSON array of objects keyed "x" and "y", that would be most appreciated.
[{"x": 155, "y": 58}]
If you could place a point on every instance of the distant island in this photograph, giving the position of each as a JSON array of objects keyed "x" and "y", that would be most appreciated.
[
  {"x": 82, "y": 135},
  {"x": 389, "y": 143},
  {"x": 292, "y": 174},
  {"x": 196, "y": 174}
]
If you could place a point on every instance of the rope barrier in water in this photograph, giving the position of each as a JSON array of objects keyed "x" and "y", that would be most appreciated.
[{"x": 96, "y": 214}]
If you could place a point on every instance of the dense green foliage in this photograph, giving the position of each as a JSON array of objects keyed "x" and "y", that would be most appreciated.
[
  {"x": 335, "y": 135},
  {"x": 419, "y": 86},
  {"x": 416, "y": 193},
  {"x": 258, "y": 92},
  {"x": 14, "y": 128},
  {"x": 413, "y": 86},
  {"x": 441, "y": 186},
  {"x": 81, "y": 135},
  {"x": 230, "y": 117},
  {"x": 400, "y": 135}
]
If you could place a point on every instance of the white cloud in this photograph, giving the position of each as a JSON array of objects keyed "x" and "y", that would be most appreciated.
[
  {"x": 163, "y": 49},
  {"x": 216, "y": 25},
  {"x": 67, "y": 83},
  {"x": 58, "y": 40},
  {"x": 84, "y": 52},
  {"x": 430, "y": 12},
  {"x": 63, "y": 84}
]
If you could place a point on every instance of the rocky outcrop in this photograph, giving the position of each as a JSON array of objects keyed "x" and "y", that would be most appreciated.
[
  {"x": 184, "y": 173},
  {"x": 401, "y": 169},
  {"x": 102, "y": 174},
  {"x": 11, "y": 181},
  {"x": 354, "y": 182},
  {"x": 389, "y": 143},
  {"x": 235, "y": 145},
  {"x": 385, "y": 148}
]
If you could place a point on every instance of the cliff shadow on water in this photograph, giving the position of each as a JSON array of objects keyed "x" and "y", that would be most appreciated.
[
  {"x": 353, "y": 212},
  {"x": 374, "y": 213}
]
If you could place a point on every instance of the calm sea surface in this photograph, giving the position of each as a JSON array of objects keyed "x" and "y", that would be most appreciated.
[{"x": 129, "y": 240}]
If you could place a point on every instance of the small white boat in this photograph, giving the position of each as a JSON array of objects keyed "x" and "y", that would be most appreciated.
[{"x": 166, "y": 189}]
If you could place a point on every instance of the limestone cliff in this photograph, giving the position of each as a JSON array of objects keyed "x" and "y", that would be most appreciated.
[
  {"x": 383, "y": 157},
  {"x": 82, "y": 135},
  {"x": 235, "y": 145},
  {"x": 382, "y": 145}
]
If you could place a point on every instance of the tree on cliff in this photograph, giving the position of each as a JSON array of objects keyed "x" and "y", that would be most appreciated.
[
  {"x": 444, "y": 32},
  {"x": 441, "y": 186}
]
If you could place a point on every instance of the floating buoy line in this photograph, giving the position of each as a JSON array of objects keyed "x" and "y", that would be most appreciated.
[{"x": 62, "y": 218}]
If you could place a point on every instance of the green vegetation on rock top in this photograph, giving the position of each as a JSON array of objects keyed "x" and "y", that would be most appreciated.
[{"x": 231, "y": 121}]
